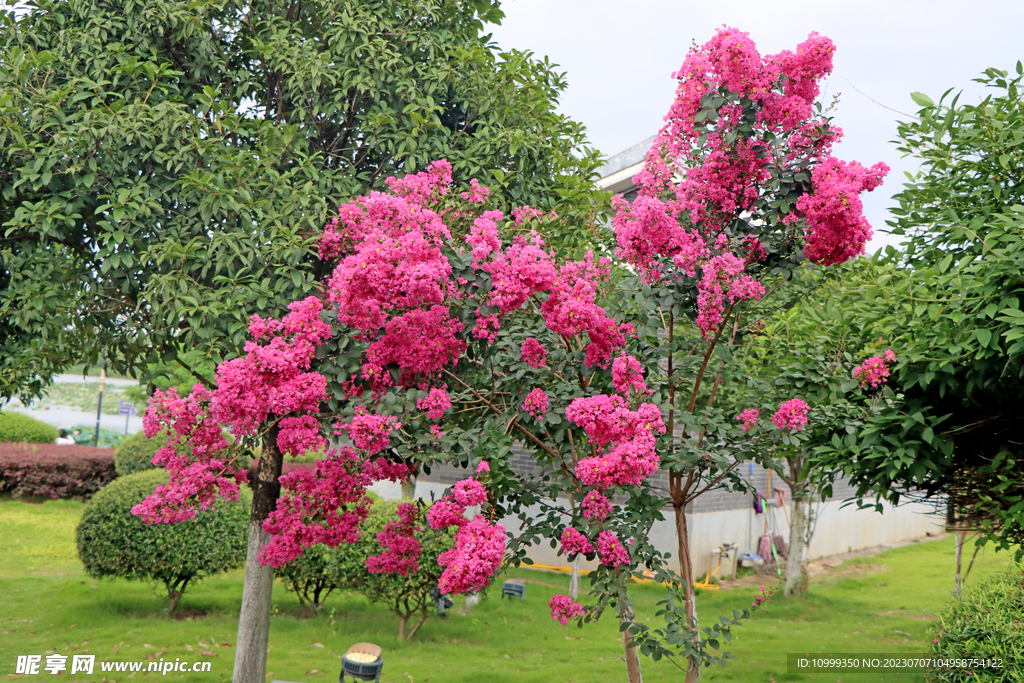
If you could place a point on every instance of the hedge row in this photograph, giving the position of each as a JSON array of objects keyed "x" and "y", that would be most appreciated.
[
  {"x": 983, "y": 624},
  {"x": 24, "y": 429},
  {"x": 52, "y": 471}
]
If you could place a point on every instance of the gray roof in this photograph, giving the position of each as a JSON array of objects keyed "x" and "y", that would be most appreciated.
[{"x": 626, "y": 158}]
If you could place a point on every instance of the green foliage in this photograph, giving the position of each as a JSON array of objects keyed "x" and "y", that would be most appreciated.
[
  {"x": 407, "y": 596},
  {"x": 135, "y": 453},
  {"x": 983, "y": 623},
  {"x": 114, "y": 543},
  {"x": 164, "y": 164},
  {"x": 951, "y": 308},
  {"x": 20, "y": 428}
]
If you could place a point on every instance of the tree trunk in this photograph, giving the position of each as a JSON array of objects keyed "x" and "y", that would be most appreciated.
[
  {"x": 403, "y": 619},
  {"x": 689, "y": 595},
  {"x": 795, "y": 583},
  {"x": 631, "y": 656},
  {"x": 409, "y": 488},
  {"x": 959, "y": 558},
  {"x": 574, "y": 579},
  {"x": 423, "y": 619},
  {"x": 254, "y": 619}
]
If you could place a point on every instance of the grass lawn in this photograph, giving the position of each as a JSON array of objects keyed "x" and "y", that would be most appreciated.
[{"x": 882, "y": 604}]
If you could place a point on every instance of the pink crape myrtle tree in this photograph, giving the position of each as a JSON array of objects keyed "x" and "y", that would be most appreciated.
[{"x": 448, "y": 330}]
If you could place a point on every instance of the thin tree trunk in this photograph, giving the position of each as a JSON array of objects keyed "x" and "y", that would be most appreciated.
[
  {"x": 254, "y": 619},
  {"x": 574, "y": 579},
  {"x": 959, "y": 557},
  {"x": 423, "y": 620},
  {"x": 409, "y": 488},
  {"x": 689, "y": 595},
  {"x": 795, "y": 584},
  {"x": 631, "y": 656},
  {"x": 403, "y": 619}
]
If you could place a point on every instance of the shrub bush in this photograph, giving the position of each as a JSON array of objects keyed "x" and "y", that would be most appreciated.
[
  {"x": 52, "y": 471},
  {"x": 18, "y": 428},
  {"x": 318, "y": 573},
  {"x": 407, "y": 596},
  {"x": 114, "y": 543},
  {"x": 135, "y": 454},
  {"x": 983, "y": 623},
  {"x": 322, "y": 570}
]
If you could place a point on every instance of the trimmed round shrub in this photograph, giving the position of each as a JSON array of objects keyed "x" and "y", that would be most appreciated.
[
  {"x": 983, "y": 623},
  {"x": 135, "y": 454},
  {"x": 114, "y": 543},
  {"x": 20, "y": 428}
]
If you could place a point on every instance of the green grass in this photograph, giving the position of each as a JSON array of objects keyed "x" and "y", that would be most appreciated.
[{"x": 47, "y": 604}]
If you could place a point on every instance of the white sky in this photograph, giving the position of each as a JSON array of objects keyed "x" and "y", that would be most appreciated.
[{"x": 619, "y": 57}]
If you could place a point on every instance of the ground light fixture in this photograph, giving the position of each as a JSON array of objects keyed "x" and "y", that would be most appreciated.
[{"x": 362, "y": 662}]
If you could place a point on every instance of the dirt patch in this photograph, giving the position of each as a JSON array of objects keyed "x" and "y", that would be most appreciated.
[{"x": 182, "y": 615}]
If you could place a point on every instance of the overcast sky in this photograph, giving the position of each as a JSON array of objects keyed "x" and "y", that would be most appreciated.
[{"x": 619, "y": 57}]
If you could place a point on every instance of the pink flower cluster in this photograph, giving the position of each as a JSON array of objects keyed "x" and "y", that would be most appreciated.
[
  {"x": 536, "y": 403},
  {"x": 596, "y": 507},
  {"x": 369, "y": 432},
  {"x": 791, "y": 415},
  {"x": 611, "y": 550},
  {"x": 469, "y": 566},
  {"x": 723, "y": 278},
  {"x": 435, "y": 403},
  {"x": 401, "y": 547},
  {"x": 875, "y": 370},
  {"x": 630, "y": 436},
  {"x": 573, "y": 542},
  {"x": 469, "y": 492},
  {"x": 325, "y": 505},
  {"x": 836, "y": 228},
  {"x": 563, "y": 608},
  {"x": 571, "y": 309},
  {"x": 749, "y": 418},
  {"x": 533, "y": 353},
  {"x": 627, "y": 375},
  {"x": 520, "y": 270}
]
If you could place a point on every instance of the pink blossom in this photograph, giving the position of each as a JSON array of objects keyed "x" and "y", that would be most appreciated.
[
  {"x": 300, "y": 435},
  {"x": 791, "y": 415},
  {"x": 596, "y": 507},
  {"x": 369, "y": 432},
  {"x": 325, "y": 505},
  {"x": 563, "y": 609},
  {"x": 520, "y": 270},
  {"x": 483, "y": 467},
  {"x": 477, "y": 193},
  {"x": 483, "y": 236},
  {"x": 401, "y": 547},
  {"x": 445, "y": 513},
  {"x": 435, "y": 403},
  {"x": 487, "y": 327},
  {"x": 836, "y": 228},
  {"x": 749, "y": 418},
  {"x": 532, "y": 353},
  {"x": 469, "y": 492},
  {"x": 631, "y": 454},
  {"x": 874, "y": 370},
  {"x": 628, "y": 374},
  {"x": 469, "y": 566},
  {"x": 419, "y": 342},
  {"x": 536, "y": 403},
  {"x": 574, "y": 542},
  {"x": 611, "y": 550}
]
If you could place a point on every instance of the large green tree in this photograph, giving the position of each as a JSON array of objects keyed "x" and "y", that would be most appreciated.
[
  {"x": 162, "y": 163},
  {"x": 952, "y": 306}
]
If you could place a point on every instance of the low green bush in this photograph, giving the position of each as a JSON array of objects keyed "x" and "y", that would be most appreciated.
[
  {"x": 18, "y": 428},
  {"x": 114, "y": 543},
  {"x": 135, "y": 454},
  {"x": 321, "y": 570},
  {"x": 984, "y": 623}
]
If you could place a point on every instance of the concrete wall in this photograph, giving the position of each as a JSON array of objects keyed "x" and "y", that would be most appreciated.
[{"x": 839, "y": 529}]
